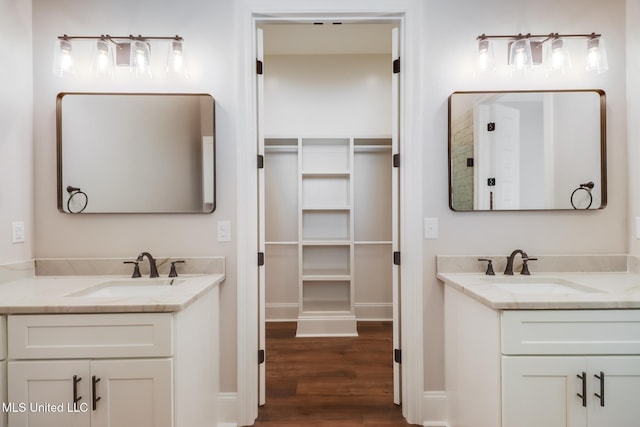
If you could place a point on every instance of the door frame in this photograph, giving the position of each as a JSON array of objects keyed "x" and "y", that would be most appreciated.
[{"x": 408, "y": 14}]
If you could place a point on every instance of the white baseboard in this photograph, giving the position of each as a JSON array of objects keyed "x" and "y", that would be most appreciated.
[
  {"x": 374, "y": 311},
  {"x": 434, "y": 409},
  {"x": 228, "y": 410}
]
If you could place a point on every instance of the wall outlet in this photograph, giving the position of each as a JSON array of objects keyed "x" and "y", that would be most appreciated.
[
  {"x": 431, "y": 228},
  {"x": 224, "y": 231},
  {"x": 17, "y": 232}
]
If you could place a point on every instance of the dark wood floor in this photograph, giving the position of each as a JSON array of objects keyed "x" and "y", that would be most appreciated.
[{"x": 330, "y": 382}]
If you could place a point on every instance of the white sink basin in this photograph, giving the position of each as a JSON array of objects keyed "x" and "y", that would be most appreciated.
[
  {"x": 539, "y": 286},
  {"x": 130, "y": 288}
]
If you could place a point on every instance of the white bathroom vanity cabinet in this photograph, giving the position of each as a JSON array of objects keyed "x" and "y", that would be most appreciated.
[
  {"x": 542, "y": 367},
  {"x": 137, "y": 369}
]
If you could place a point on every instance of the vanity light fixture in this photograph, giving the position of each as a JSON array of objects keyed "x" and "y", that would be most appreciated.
[
  {"x": 526, "y": 51},
  {"x": 112, "y": 51}
]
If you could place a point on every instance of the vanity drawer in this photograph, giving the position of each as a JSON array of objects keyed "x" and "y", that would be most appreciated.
[
  {"x": 570, "y": 332},
  {"x": 69, "y": 336}
]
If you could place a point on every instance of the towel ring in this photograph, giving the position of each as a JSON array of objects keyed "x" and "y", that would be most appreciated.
[
  {"x": 587, "y": 186},
  {"x": 74, "y": 191}
]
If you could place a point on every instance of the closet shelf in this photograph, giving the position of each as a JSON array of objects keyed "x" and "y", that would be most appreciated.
[
  {"x": 372, "y": 242},
  {"x": 371, "y": 148},
  {"x": 281, "y": 243},
  {"x": 326, "y": 208},
  {"x": 326, "y": 173},
  {"x": 317, "y": 277},
  {"x": 310, "y": 242},
  {"x": 281, "y": 148}
]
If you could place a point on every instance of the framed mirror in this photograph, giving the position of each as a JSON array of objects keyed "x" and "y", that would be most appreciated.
[
  {"x": 135, "y": 153},
  {"x": 527, "y": 150}
]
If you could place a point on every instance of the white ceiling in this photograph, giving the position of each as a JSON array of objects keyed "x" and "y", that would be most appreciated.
[{"x": 328, "y": 38}]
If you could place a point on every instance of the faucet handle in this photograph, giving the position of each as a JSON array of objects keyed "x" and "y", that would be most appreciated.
[
  {"x": 489, "y": 262},
  {"x": 525, "y": 266},
  {"x": 173, "y": 272},
  {"x": 136, "y": 268}
]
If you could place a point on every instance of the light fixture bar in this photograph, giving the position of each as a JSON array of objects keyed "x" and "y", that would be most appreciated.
[
  {"x": 538, "y": 36},
  {"x": 129, "y": 37}
]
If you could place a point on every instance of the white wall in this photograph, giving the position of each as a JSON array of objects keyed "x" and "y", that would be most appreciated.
[
  {"x": 16, "y": 128},
  {"x": 450, "y": 32},
  {"x": 350, "y": 95},
  {"x": 207, "y": 28}
]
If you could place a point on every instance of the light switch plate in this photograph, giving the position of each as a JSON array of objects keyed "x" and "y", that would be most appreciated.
[
  {"x": 224, "y": 231},
  {"x": 431, "y": 228}
]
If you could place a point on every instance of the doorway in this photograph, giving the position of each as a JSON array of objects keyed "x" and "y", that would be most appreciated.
[
  {"x": 328, "y": 126},
  {"x": 409, "y": 17}
]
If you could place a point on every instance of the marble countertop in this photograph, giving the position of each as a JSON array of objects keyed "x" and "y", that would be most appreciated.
[
  {"x": 66, "y": 294},
  {"x": 602, "y": 290}
]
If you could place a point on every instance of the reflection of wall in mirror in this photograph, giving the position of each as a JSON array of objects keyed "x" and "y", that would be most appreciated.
[
  {"x": 461, "y": 150},
  {"x": 577, "y": 156},
  {"x": 154, "y": 147}
]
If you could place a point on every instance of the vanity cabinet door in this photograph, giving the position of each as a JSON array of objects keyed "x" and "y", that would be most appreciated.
[
  {"x": 133, "y": 393},
  {"x": 41, "y": 393},
  {"x": 620, "y": 406},
  {"x": 543, "y": 391}
]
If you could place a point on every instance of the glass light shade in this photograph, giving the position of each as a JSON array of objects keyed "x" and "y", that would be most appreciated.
[
  {"x": 63, "y": 60},
  {"x": 596, "y": 59},
  {"x": 141, "y": 59},
  {"x": 176, "y": 61},
  {"x": 557, "y": 58},
  {"x": 103, "y": 63},
  {"x": 520, "y": 59},
  {"x": 486, "y": 59}
]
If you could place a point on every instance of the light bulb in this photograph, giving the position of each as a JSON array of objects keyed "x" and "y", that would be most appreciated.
[
  {"x": 63, "y": 60},
  {"x": 176, "y": 61},
  {"x": 103, "y": 63},
  {"x": 486, "y": 59},
  {"x": 596, "y": 59},
  {"x": 520, "y": 59},
  {"x": 141, "y": 59},
  {"x": 558, "y": 58}
]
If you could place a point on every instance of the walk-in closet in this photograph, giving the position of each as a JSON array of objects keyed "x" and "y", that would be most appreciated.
[{"x": 328, "y": 175}]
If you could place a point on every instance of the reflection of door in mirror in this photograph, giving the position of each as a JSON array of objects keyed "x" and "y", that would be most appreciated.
[
  {"x": 497, "y": 181},
  {"x": 527, "y": 150}
]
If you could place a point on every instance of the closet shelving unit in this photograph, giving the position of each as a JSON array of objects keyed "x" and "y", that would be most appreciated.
[
  {"x": 326, "y": 254},
  {"x": 330, "y": 237}
]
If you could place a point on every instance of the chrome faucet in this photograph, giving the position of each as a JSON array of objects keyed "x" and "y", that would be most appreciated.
[
  {"x": 153, "y": 269},
  {"x": 525, "y": 258}
]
